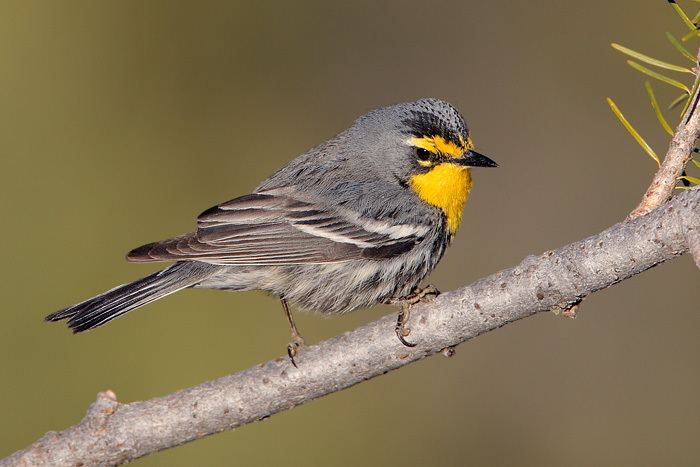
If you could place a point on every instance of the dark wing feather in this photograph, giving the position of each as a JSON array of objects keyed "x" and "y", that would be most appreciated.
[{"x": 277, "y": 229}]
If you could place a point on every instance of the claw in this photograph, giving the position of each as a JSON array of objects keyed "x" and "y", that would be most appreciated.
[
  {"x": 294, "y": 347},
  {"x": 403, "y": 340},
  {"x": 401, "y": 330},
  {"x": 406, "y": 302}
]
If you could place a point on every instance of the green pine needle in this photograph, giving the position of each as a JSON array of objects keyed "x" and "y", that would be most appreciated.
[
  {"x": 690, "y": 35},
  {"x": 693, "y": 90},
  {"x": 657, "y": 109},
  {"x": 693, "y": 180},
  {"x": 650, "y": 60},
  {"x": 697, "y": 164},
  {"x": 677, "y": 101},
  {"x": 637, "y": 137},
  {"x": 682, "y": 14},
  {"x": 679, "y": 47},
  {"x": 658, "y": 76}
]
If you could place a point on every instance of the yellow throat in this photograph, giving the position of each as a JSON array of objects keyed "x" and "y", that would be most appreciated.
[{"x": 446, "y": 186}]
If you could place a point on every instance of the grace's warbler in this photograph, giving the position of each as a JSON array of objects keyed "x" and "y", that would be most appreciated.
[{"x": 358, "y": 220}]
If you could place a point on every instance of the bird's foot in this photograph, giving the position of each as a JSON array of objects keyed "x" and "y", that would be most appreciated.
[
  {"x": 402, "y": 331},
  {"x": 295, "y": 347},
  {"x": 418, "y": 295}
]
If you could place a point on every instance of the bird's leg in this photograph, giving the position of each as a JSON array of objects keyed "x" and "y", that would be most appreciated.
[
  {"x": 406, "y": 303},
  {"x": 297, "y": 341}
]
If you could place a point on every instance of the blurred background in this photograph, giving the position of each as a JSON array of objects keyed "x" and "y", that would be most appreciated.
[{"x": 121, "y": 121}]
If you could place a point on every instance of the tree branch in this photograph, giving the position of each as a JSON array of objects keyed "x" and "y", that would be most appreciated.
[{"x": 112, "y": 433}]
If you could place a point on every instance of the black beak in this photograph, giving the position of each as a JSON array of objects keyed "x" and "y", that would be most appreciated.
[{"x": 474, "y": 159}]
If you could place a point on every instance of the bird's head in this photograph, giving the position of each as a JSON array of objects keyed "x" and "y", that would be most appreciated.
[{"x": 427, "y": 147}]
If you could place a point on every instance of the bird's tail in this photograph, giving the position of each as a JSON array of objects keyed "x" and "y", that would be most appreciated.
[{"x": 103, "y": 308}]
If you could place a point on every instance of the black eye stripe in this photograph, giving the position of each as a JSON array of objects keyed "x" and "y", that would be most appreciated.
[{"x": 424, "y": 155}]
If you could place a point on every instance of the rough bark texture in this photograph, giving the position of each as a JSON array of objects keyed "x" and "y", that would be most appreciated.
[{"x": 112, "y": 433}]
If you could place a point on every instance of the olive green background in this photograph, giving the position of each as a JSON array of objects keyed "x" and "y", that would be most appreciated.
[{"x": 121, "y": 121}]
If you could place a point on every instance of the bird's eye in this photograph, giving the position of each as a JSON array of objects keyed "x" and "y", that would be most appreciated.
[{"x": 423, "y": 154}]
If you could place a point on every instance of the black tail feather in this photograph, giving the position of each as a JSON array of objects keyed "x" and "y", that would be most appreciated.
[{"x": 103, "y": 308}]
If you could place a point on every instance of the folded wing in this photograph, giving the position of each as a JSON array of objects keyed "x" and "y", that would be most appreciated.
[{"x": 271, "y": 228}]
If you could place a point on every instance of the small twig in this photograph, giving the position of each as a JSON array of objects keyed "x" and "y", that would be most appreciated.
[{"x": 679, "y": 152}]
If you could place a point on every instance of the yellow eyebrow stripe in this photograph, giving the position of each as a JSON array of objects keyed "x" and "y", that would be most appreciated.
[
  {"x": 469, "y": 144},
  {"x": 439, "y": 145}
]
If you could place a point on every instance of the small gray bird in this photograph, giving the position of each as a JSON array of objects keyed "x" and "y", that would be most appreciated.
[{"x": 359, "y": 220}]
